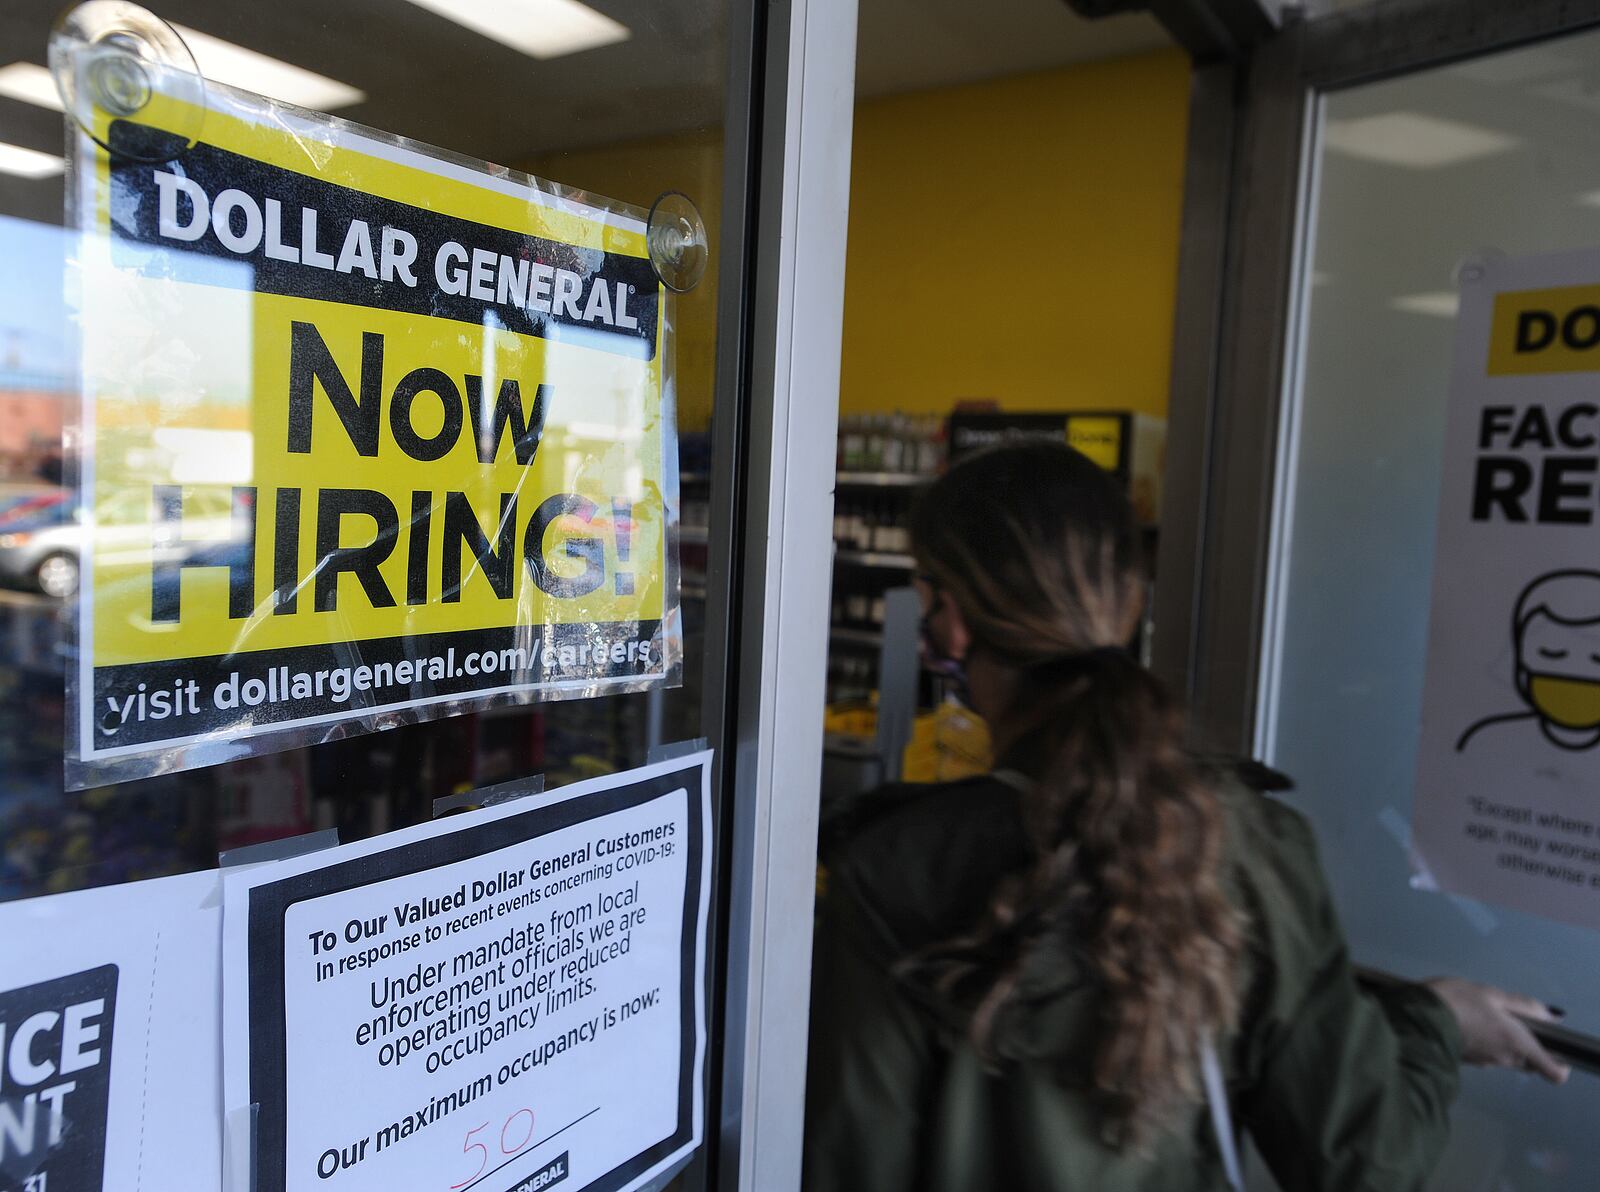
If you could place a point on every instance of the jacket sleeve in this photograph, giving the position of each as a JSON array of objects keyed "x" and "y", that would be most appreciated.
[
  {"x": 869, "y": 1060},
  {"x": 1346, "y": 1090}
]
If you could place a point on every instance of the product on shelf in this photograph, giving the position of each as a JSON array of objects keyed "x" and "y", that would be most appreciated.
[
  {"x": 870, "y": 523},
  {"x": 897, "y": 444},
  {"x": 852, "y": 679},
  {"x": 948, "y": 743}
]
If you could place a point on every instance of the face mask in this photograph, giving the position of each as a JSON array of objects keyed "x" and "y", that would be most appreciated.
[
  {"x": 1570, "y": 703},
  {"x": 952, "y": 670}
]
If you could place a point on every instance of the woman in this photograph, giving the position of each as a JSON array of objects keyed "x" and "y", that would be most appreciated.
[{"x": 1032, "y": 980}]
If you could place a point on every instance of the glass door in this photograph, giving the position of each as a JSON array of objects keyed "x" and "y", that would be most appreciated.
[
  {"x": 619, "y": 106},
  {"x": 623, "y": 106},
  {"x": 1411, "y": 184}
]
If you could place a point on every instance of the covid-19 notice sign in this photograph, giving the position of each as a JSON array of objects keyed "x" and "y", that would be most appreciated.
[
  {"x": 366, "y": 433},
  {"x": 1509, "y": 767},
  {"x": 507, "y": 1000}
]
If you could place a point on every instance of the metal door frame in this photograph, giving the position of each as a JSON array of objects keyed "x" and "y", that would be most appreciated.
[
  {"x": 1248, "y": 212},
  {"x": 786, "y": 201},
  {"x": 1245, "y": 206}
]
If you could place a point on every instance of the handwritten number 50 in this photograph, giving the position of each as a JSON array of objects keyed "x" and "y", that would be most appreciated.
[{"x": 468, "y": 1146}]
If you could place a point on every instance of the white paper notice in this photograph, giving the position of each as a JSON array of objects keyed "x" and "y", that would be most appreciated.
[
  {"x": 507, "y": 1000},
  {"x": 1507, "y": 802},
  {"x": 110, "y": 1032}
]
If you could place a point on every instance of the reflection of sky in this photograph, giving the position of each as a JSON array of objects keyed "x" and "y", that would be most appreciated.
[
  {"x": 163, "y": 324},
  {"x": 601, "y": 340},
  {"x": 39, "y": 330},
  {"x": 35, "y": 335}
]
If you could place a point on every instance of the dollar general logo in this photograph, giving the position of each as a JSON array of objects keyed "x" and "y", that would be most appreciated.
[
  {"x": 1536, "y": 455},
  {"x": 1545, "y": 331}
]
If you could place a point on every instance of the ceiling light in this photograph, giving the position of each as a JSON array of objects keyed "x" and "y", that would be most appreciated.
[
  {"x": 224, "y": 62},
  {"x": 538, "y": 28},
  {"x": 28, "y": 163},
  {"x": 1442, "y": 304},
  {"x": 1592, "y": 199},
  {"x": 1413, "y": 140},
  {"x": 29, "y": 83}
]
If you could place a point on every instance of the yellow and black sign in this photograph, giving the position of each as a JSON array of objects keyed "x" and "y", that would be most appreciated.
[
  {"x": 1554, "y": 330},
  {"x": 364, "y": 430}
]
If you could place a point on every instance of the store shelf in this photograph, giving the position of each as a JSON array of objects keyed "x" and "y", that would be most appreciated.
[
  {"x": 873, "y": 558},
  {"x": 880, "y": 480},
  {"x": 870, "y": 639}
]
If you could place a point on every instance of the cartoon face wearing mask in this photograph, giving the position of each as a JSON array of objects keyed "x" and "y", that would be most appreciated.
[{"x": 1556, "y": 631}]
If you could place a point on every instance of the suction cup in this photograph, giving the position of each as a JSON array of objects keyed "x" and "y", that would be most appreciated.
[
  {"x": 111, "y": 58},
  {"x": 676, "y": 236}
]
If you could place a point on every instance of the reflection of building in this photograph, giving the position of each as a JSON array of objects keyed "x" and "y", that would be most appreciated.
[{"x": 32, "y": 407}]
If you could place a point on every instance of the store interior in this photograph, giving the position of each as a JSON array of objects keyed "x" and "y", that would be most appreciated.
[
  {"x": 1011, "y": 271},
  {"x": 1017, "y": 197},
  {"x": 1012, "y": 261}
]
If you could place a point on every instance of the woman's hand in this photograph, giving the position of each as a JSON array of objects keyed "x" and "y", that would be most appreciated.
[{"x": 1492, "y": 1027}]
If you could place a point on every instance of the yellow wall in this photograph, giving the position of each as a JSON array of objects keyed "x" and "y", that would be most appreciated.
[
  {"x": 1018, "y": 240},
  {"x": 1015, "y": 240}
]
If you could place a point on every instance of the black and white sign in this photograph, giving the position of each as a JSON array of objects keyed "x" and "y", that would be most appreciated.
[
  {"x": 508, "y": 1000},
  {"x": 1509, "y": 758},
  {"x": 55, "y": 1081},
  {"x": 110, "y": 1026}
]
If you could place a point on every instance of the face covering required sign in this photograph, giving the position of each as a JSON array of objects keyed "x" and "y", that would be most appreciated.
[
  {"x": 366, "y": 434},
  {"x": 1507, "y": 804}
]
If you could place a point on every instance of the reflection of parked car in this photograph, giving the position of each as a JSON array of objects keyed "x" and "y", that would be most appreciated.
[
  {"x": 29, "y": 503},
  {"x": 39, "y": 548},
  {"x": 42, "y": 548}
]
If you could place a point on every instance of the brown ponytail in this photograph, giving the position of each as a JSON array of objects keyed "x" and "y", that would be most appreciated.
[{"x": 1037, "y": 547}]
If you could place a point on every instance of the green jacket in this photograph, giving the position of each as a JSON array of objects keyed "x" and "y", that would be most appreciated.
[{"x": 1342, "y": 1090}]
